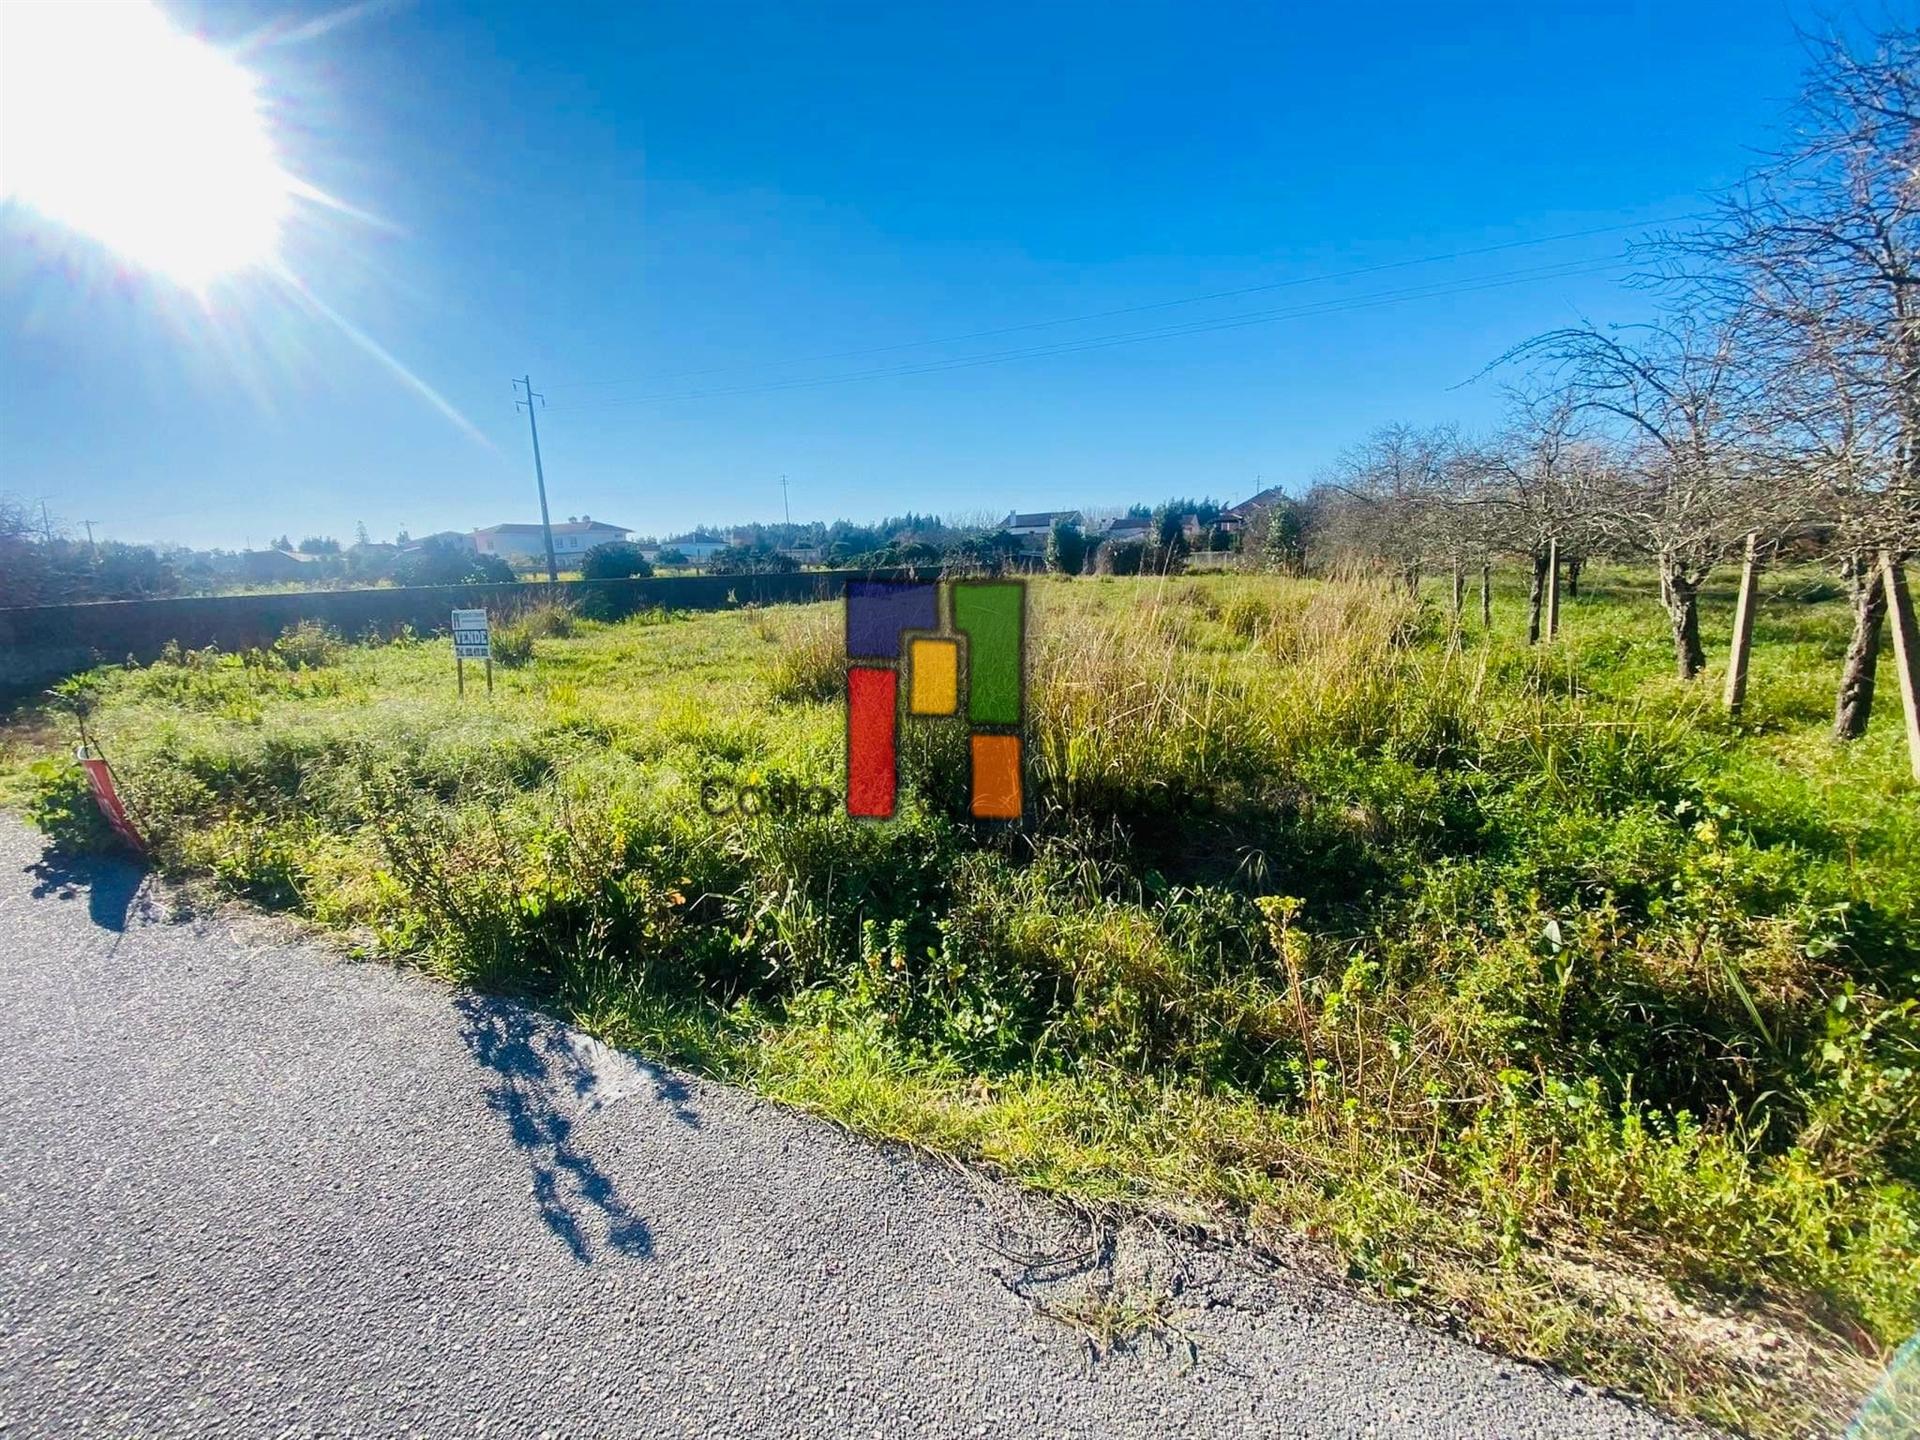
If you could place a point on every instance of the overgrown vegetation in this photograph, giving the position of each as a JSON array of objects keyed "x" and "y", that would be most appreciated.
[{"x": 1560, "y": 1006}]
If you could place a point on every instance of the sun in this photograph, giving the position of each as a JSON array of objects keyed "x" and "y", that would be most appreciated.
[{"x": 154, "y": 143}]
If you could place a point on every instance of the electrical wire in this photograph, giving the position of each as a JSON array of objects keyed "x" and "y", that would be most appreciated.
[
  {"x": 1318, "y": 279},
  {"x": 1565, "y": 269}
]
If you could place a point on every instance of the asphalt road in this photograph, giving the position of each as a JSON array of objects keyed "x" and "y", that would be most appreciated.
[{"x": 250, "y": 1187}]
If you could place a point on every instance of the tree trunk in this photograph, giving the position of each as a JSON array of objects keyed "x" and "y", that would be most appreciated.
[
  {"x": 1536, "y": 593},
  {"x": 1853, "y": 706},
  {"x": 1682, "y": 599},
  {"x": 1575, "y": 563},
  {"x": 1486, "y": 596}
]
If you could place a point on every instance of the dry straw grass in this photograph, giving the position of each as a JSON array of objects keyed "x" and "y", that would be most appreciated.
[{"x": 1133, "y": 699}]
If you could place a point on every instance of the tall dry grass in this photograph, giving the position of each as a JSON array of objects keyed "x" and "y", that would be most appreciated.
[
  {"x": 1126, "y": 703},
  {"x": 809, "y": 660}
]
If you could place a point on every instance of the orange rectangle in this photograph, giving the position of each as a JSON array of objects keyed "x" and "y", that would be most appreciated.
[{"x": 996, "y": 777}]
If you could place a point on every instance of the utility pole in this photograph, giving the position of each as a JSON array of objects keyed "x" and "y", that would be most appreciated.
[
  {"x": 90, "y": 545},
  {"x": 539, "y": 474},
  {"x": 785, "y": 504}
]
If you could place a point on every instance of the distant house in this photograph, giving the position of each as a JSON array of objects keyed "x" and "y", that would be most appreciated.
[
  {"x": 1038, "y": 524},
  {"x": 268, "y": 566},
  {"x": 527, "y": 543},
  {"x": 439, "y": 540},
  {"x": 1032, "y": 530},
  {"x": 1234, "y": 518},
  {"x": 1127, "y": 527},
  {"x": 698, "y": 546}
]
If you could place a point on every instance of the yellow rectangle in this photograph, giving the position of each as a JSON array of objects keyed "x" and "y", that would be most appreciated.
[{"x": 933, "y": 668}]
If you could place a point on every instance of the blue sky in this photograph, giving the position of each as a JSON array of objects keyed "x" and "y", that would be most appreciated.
[{"x": 712, "y": 197}]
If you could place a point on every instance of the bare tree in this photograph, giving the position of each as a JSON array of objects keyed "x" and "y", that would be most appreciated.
[
  {"x": 1824, "y": 246},
  {"x": 1538, "y": 484},
  {"x": 1675, "y": 402},
  {"x": 1391, "y": 497}
]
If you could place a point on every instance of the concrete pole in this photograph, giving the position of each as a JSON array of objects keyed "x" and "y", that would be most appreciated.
[
  {"x": 1906, "y": 651},
  {"x": 1553, "y": 588},
  {"x": 1736, "y": 692}
]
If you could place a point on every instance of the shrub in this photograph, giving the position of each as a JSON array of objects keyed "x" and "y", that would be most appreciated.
[
  {"x": 513, "y": 644},
  {"x": 60, "y": 803},
  {"x": 615, "y": 560},
  {"x": 755, "y": 559},
  {"x": 450, "y": 562},
  {"x": 1066, "y": 548},
  {"x": 547, "y": 620},
  {"x": 308, "y": 645}
]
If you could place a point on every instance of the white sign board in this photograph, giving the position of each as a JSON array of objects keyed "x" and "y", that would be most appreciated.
[{"x": 470, "y": 638}]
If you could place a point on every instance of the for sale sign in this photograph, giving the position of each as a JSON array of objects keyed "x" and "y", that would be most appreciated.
[{"x": 470, "y": 638}]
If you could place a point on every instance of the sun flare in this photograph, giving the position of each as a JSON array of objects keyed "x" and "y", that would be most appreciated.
[{"x": 154, "y": 143}]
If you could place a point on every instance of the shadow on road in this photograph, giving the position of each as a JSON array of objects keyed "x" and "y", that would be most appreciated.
[
  {"x": 111, "y": 885},
  {"x": 531, "y": 1065}
]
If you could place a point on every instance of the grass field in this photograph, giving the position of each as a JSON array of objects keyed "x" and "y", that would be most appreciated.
[{"x": 1549, "y": 1001}]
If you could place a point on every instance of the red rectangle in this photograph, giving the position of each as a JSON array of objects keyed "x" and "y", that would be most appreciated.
[{"x": 871, "y": 707}]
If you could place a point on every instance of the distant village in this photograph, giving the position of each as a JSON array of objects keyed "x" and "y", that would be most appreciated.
[{"x": 44, "y": 563}]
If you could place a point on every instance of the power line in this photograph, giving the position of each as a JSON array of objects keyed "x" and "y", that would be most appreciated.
[
  {"x": 1135, "y": 309},
  {"x": 1558, "y": 270}
]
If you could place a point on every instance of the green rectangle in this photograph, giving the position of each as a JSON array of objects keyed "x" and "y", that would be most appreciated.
[{"x": 990, "y": 614}]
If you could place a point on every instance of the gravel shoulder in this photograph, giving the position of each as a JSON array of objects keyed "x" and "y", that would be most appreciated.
[{"x": 249, "y": 1186}]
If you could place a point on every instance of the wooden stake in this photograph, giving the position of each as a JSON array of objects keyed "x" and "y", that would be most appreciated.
[
  {"x": 1736, "y": 692},
  {"x": 489, "y": 675},
  {"x": 1906, "y": 651},
  {"x": 1459, "y": 592},
  {"x": 1486, "y": 595},
  {"x": 459, "y": 676},
  {"x": 1553, "y": 588}
]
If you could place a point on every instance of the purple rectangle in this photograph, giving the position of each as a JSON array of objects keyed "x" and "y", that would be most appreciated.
[{"x": 878, "y": 610}]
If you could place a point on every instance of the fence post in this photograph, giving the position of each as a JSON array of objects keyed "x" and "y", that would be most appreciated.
[
  {"x": 1553, "y": 588},
  {"x": 1906, "y": 651},
  {"x": 1486, "y": 595},
  {"x": 1736, "y": 691}
]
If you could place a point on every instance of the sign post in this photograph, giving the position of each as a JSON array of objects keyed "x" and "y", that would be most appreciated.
[{"x": 471, "y": 641}]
